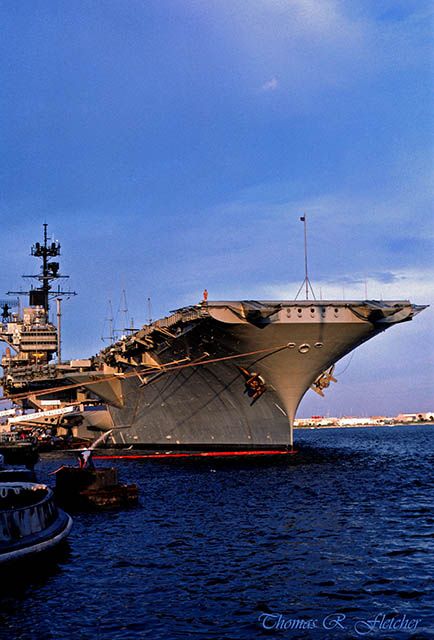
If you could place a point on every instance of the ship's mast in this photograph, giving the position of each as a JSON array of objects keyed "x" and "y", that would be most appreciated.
[
  {"x": 149, "y": 311},
  {"x": 59, "y": 329},
  {"x": 110, "y": 323},
  {"x": 306, "y": 282},
  {"x": 40, "y": 296}
]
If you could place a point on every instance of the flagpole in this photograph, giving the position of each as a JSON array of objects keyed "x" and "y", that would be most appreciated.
[
  {"x": 306, "y": 277},
  {"x": 306, "y": 280}
]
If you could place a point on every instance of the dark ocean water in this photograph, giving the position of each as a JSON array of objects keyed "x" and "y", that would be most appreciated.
[{"x": 343, "y": 533}]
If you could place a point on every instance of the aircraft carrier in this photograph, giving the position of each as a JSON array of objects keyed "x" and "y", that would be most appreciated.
[
  {"x": 213, "y": 375},
  {"x": 230, "y": 374}
]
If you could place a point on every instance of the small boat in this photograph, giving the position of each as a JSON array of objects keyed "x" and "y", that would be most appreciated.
[
  {"x": 30, "y": 522},
  {"x": 9, "y": 473},
  {"x": 85, "y": 487},
  {"x": 19, "y": 453},
  {"x": 89, "y": 488},
  {"x": 15, "y": 473}
]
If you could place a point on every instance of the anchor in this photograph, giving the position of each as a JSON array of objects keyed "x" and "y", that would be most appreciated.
[
  {"x": 254, "y": 384},
  {"x": 323, "y": 381}
]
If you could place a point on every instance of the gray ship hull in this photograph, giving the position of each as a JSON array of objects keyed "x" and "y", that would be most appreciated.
[
  {"x": 199, "y": 407},
  {"x": 183, "y": 382}
]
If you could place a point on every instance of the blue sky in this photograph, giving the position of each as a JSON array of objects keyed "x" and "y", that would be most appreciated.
[{"x": 172, "y": 145}]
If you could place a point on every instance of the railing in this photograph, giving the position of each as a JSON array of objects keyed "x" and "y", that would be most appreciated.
[
  {"x": 8, "y": 436},
  {"x": 176, "y": 318}
]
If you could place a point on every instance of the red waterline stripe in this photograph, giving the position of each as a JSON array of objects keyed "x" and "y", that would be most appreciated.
[{"x": 195, "y": 455}]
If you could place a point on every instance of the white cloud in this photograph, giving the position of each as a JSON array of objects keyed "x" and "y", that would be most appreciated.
[
  {"x": 313, "y": 46},
  {"x": 379, "y": 243},
  {"x": 406, "y": 284},
  {"x": 270, "y": 85},
  {"x": 326, "y": 18}
]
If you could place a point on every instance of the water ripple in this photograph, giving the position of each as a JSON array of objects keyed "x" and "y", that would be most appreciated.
[{"x": 347, "y": 527}]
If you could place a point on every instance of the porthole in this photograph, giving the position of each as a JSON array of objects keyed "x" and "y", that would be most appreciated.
[
  {"x": 299, "y": 310},
  {"x": 304, "y": 348},
  {"x": 288, "y": 313},
  {"x": 290, "y": 345},
  {"x": 318, "y": 345},
  {"x": 312, "y": 310}
]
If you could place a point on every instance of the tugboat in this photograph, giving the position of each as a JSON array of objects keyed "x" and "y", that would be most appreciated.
[
  {"x": 30, "y": 522},
  {"x": 93, "y": 489},
  {"x": 87, "y": 488}
]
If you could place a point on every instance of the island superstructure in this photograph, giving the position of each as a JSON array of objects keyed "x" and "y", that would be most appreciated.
[
  {"x": 32, "y": 360},
  {"x": 32, "y": 339}
]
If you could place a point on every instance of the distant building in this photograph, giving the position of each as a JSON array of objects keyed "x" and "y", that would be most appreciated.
[
  {"x": 354, "y": 421},
  {"x": 316, "y": 421},
  {"x": 415, "y": 417},
  {"x": 357, "y": 421}
]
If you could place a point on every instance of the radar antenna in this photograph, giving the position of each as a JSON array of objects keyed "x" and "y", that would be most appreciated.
[
  {"x": 109, "y": 320},
  {"x": 6, "y": 307},
  {"x": 41, "y": 295}
]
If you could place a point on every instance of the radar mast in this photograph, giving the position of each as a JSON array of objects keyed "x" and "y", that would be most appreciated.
[{"x": 40, "y": 296}]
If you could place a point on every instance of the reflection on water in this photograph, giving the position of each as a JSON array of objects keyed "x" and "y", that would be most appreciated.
[{"x": 345, "y": 528}]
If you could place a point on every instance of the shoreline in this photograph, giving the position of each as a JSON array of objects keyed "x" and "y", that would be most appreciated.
[{"x": 363, "y": 426}]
